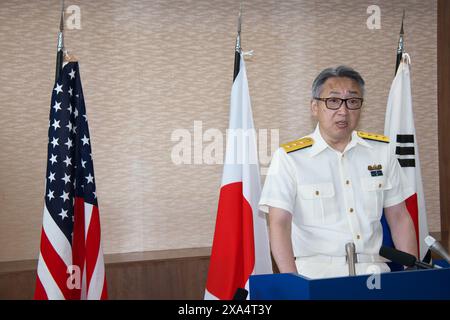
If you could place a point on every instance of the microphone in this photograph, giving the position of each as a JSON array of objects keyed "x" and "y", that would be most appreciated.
[
  {"x": 240, "y": 294},
  {"x": 403, "y": 258},
  {"x": 350, "y": 250},
  {"x": 437, "y": 248}
]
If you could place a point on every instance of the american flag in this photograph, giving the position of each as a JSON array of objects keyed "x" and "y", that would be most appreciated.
[{"x": 71, "y": 262}]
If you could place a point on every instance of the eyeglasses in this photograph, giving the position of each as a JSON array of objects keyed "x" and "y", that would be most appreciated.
[{"x": 336, "y": 103}]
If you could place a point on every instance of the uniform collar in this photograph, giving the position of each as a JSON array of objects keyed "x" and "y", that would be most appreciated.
[{"x": 320, "y": 144}]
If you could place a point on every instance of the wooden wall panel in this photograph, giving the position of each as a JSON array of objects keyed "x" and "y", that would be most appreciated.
[
  {"x": 443, "y": 57},
  {"x": 17, "y": 285},
  {"x": 160, "y": 275},
  {"x": 170, "y": 279}
]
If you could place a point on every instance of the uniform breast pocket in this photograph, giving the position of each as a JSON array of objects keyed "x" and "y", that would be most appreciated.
[
  {"x": 373, "y": 195},
  {"x": 317, "y": 204}
]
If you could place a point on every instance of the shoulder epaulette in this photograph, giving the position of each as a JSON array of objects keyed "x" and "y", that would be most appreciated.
[
  {"x": 297, "y": 144},
  {"x": 373, "y": 136}
]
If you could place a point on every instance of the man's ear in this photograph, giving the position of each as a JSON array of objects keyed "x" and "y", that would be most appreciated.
[{"x": 314, "y": 108}]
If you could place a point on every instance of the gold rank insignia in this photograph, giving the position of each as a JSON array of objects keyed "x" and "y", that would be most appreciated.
[
  {"x": 297, "y": 144},
  {"x": 373, "y": 136}
]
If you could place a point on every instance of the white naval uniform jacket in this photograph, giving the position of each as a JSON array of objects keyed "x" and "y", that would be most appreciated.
[{"x": 335, "y": 197}]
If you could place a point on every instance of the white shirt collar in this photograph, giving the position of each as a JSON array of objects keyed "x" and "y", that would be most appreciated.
[{"x": 320, "y": 144}]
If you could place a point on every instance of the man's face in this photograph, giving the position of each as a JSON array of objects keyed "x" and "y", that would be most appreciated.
[{"x": 337, "y": 125}]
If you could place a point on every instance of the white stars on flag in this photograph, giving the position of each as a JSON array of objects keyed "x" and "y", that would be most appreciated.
[
  {"x": 56, "y": 124},
  {"x": 54, "y": 142},
  {"x": 58, "y": 88},
  {"x": 65, "y": 196},
  {"x": 69, "y": 143},
  {"x": 50, "y": 195},
  {"x": 57, "y": 106},
  {"x": 72, "y": 74},
  {"x": 51, "y": 177},
  {"x": 69, "y": 172},
  {"x": 63, "y": 214},
  {"x": 68, "y": 161},
  {"x": 66, "y": 178},
  {"x": 85, "y": 140},
  {"x": 90, "y": 178},
  {"x": 53, "y": 159}
]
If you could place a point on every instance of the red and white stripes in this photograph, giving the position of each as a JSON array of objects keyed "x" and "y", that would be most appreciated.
[{"x": 74, "y": 271}]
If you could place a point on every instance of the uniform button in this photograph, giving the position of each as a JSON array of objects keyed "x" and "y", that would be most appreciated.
[
  {"x": 347, "y": 182},
  {"x": 358, "y": 237},
  {"x": 317, "y": 193},
  {"x": 351, "y": 210},
  {"x": 379, "y": 186}
]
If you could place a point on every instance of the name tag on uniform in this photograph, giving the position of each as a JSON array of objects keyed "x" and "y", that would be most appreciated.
[{"x": 375, "y": 170}]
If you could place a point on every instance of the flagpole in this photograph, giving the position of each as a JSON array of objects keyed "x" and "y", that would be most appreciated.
[
  {"x": 400, "y": 47},
  {"x": 60, "y": 47},
  {"x": 237, "y": 52}
]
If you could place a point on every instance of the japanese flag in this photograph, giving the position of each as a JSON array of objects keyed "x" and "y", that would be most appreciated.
[{"x": 240, "y": 245}]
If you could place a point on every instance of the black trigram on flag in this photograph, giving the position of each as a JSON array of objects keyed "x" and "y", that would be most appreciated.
[{"x": 405, "y": 150}]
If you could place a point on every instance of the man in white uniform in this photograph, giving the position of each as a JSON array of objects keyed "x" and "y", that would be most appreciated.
[{"x": 329, "y": 188}]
